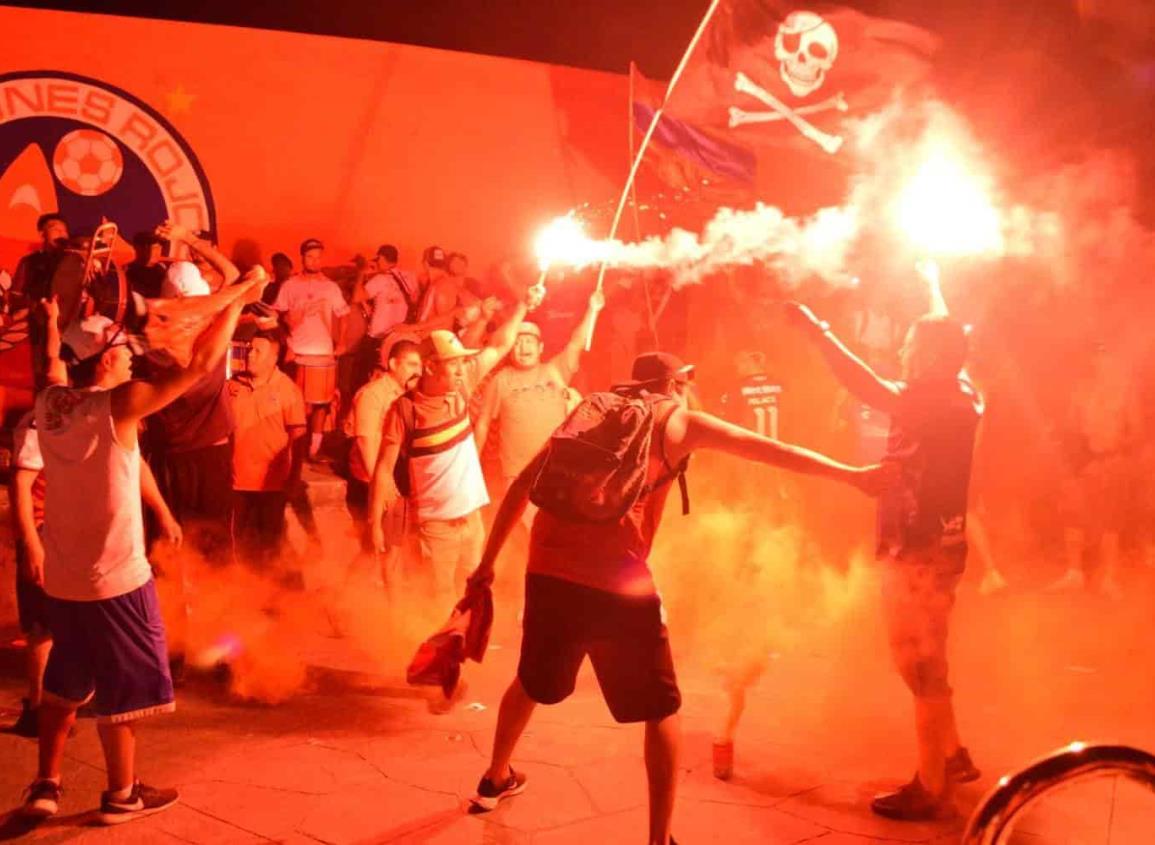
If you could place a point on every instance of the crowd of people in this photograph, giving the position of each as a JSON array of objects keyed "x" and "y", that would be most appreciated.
[{"x": 438, "y": 402}]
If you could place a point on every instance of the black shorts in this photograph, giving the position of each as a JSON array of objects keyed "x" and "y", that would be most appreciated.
[
  {"x": 31, "y": 602},
  {"x": 625, "y": 639}
]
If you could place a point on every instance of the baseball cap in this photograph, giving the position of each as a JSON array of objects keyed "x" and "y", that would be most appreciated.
[
  {"x": 650, "y": 367},
  {"x": 434, "y": 256},
  {"x": 89, "y": 337},
  {"x": 444, "y": 345},
  {"x": 311, "y": 243},
  {"x": 530, "y": 328},
  {"x": 181, "y": 279}
]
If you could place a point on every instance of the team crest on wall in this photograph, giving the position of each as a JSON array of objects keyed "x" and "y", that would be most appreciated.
[{"x": 86, "y": 149}]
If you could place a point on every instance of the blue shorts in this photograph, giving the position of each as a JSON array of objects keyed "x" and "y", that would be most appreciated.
[{"x": 112, "y": 652}]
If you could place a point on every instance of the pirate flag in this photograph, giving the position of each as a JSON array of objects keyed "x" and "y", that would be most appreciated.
[{"x": 764, "y": 103}]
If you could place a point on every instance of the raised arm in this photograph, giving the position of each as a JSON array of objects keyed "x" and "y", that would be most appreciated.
[
  {"x": 569, "y": 359},
  {"x": 174, "y": 232},
  {"x": 848, "y": 368},
  {"x": 501, "y": 341},
  {"x": 688, "y": 431},
  {"x": 928, "y": 269},
  {"x": 487, "y": 415},
  {"x": 56, "y": 371},
  {"x": 137, "y": 399}
]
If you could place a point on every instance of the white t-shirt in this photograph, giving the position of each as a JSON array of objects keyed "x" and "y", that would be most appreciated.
[
  {"x": 93, "y": 524},
  {"x": 322, "y": 301},
  {"x": 389, "y": 305}
]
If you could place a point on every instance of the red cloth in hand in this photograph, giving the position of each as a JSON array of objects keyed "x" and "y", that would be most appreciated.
[{"x": 464, "y": 636}]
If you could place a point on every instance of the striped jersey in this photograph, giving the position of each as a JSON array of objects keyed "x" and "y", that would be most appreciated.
[{"x": 445, "y": 475}]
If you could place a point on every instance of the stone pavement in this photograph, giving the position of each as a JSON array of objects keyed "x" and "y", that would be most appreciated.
[{"x": 357, "y": 757}]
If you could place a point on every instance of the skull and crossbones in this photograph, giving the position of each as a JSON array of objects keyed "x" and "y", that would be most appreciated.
[{"x": 806, "y": 47}]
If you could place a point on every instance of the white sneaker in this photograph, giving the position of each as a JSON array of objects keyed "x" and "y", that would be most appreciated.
[{"x": 42, "y": 801}]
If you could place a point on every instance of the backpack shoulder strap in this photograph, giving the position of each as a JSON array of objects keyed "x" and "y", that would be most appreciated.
[{"x": 663, "y": 410}]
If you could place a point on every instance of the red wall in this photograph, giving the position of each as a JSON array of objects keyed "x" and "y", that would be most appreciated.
[{"x": 355, "y": 142}]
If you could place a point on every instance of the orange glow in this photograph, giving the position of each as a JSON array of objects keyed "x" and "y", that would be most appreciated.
[{"x": 946, "y": 209}]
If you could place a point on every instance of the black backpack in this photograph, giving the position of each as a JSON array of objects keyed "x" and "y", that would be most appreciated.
[
  {"x": 408, "y": 412},
  {"x": 596, "y": 462}
]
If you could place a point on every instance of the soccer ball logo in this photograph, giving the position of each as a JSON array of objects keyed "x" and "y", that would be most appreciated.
[{"x": 88, "y": 162}]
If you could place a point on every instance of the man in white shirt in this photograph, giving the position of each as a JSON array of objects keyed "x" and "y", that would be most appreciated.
[
  {"x": 390, "y": 298},
  {"x": 314, "y": 310},
  {"x": 108, "y": 635}
]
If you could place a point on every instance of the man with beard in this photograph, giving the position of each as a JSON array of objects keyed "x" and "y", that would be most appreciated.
[
  {"x": 526, "y": 400},
  {"x": 399, "y": 373}
]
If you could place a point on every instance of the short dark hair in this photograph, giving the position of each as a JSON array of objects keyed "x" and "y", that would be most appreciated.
[
  {"x": 402, "y": 347},
  {"x": 274, "y": 335},
  {"x": 947, "y": 342},
  {"x": 82, "y": 374},
  {"x": 44, "y": 219},
  {"x": 280, "y": 256},
  {"x": 145, "y": 238},
  {"x": 388, "y": 252}
]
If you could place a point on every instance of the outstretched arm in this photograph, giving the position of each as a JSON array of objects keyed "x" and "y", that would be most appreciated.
[
  {"x": 688, "y": 431},
  {"x": 848, "y": 368}
]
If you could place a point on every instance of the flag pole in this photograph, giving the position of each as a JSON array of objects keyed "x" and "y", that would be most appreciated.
[
  {"x": 630, "y": 129},
  {"x": 714, "y": 4}
]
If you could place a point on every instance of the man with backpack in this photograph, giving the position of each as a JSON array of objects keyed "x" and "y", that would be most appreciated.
[{"x": 601, "y": 484}]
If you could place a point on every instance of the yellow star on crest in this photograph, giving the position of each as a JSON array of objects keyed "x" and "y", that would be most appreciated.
[{"x": 179, "y": 100}]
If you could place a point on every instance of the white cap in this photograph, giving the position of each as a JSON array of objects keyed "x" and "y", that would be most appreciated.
[
  {"x": 183, "y": 279},
  {"x": 91, "y": 336}
]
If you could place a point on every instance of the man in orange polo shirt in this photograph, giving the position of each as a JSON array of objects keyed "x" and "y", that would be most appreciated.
[{"x": 270, "y": 423}]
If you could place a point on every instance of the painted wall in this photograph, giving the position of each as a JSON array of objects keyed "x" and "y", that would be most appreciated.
[{"x": 355, "y": 142}]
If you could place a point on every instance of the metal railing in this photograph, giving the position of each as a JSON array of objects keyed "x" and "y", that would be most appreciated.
[{"x": 993, "y": 819}]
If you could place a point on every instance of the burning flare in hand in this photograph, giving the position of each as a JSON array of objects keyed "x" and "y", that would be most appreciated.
[
  {"x": 946, "y": 210},
  {"x": 564, "y": 242}
]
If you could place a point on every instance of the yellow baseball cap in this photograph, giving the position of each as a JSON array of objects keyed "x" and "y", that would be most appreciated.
[{"x": 444, "y": 345}]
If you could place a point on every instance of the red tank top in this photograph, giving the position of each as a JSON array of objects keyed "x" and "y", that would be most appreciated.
[{"x": 608, "y": 556}]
